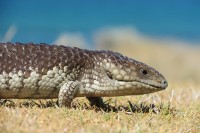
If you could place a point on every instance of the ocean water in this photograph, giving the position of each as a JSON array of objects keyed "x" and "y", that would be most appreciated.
[{"x": 43, "y": 21}]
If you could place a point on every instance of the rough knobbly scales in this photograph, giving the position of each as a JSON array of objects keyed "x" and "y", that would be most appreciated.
[{"x": 41, "y": 71}]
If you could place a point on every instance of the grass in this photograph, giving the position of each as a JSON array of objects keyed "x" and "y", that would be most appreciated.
[
  {"x": 173, "y": 110},
  {"x": 176, "y": 109}
]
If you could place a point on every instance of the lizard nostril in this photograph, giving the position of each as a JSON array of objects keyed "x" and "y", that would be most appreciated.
[{"x": 164, "y": 82}]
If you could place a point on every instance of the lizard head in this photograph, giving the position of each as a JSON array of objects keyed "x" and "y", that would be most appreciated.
[{"x": 129, "y": 76}]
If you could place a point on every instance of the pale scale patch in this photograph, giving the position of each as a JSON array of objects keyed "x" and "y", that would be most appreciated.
[
  {"x": 115, "y": 72},
  {"x": 112, "y": 66},
  {"x": 122, "y": 83},
  {"x": 1, "y": 77},
  {"x": 95, "y": 77},
  {"x": 55, "y": 69},
  {"x": 119, "y": 77},
  {"x": 94, "y": 72},
  {"x": 50, "y": 73},
  {"x": 31, "y": 82},
  {"x": 96, "y": 82},
  {"x": 5, "y": 74},
  {"x": 122, "y": 72},
  {"x": 10, "y": 74},
  {"x": 128, "y": 86},
  {"x": 60, "y": 72},
  {"x": 54, "y": 79},
  {"x": 65, "y": 69},
  {"x": 107, "y": 66},
  {"x": 121, "y": 87},
  {"x": 3, "y": 81},
  {"x": 15, "y": 81},
  {"x": 126, "y": 78}
]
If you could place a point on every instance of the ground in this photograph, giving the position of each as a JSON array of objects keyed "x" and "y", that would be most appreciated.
[
  {"x": 176, "y": 109},
  {"x": 173, "y": 110}
]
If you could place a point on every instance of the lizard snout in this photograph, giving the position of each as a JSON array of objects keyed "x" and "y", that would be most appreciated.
[{"x": 164, "y": 84}]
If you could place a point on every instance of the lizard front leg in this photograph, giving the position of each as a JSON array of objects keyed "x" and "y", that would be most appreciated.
[{"x": 67, "y": 93}]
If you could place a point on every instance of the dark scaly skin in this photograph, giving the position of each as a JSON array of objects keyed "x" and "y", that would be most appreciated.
[
  {"x": 50, "y": 71},
  {"x": 43, "y": 57}
]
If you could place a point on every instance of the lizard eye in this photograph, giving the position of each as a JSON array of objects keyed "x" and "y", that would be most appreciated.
[{"x": 143, "y": 71}]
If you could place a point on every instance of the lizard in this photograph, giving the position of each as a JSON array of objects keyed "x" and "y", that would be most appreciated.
[{"x": 43, "y": 71}]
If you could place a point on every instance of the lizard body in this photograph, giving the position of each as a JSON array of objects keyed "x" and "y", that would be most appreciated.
[{"x": 41, "y": 71}]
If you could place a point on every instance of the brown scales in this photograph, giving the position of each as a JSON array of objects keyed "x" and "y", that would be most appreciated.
[{"x": 40, "y": 57}]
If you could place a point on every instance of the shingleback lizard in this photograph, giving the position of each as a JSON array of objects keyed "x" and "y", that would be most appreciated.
[{"x": 41, "y": 71}]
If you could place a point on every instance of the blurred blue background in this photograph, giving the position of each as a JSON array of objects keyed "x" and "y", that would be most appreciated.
[{"x": 43, "y": 21}]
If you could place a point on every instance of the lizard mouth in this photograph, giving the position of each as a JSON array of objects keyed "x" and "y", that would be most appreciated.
[
  {"x": 144, "y": 84},
  {"x": 154, "y": 85},
  {"x": 148, "y": 85}
]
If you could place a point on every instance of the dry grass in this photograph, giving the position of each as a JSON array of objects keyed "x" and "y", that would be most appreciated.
[
  {"x": 177, "y": 109},
  {"x": 173, "y": 110}
]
